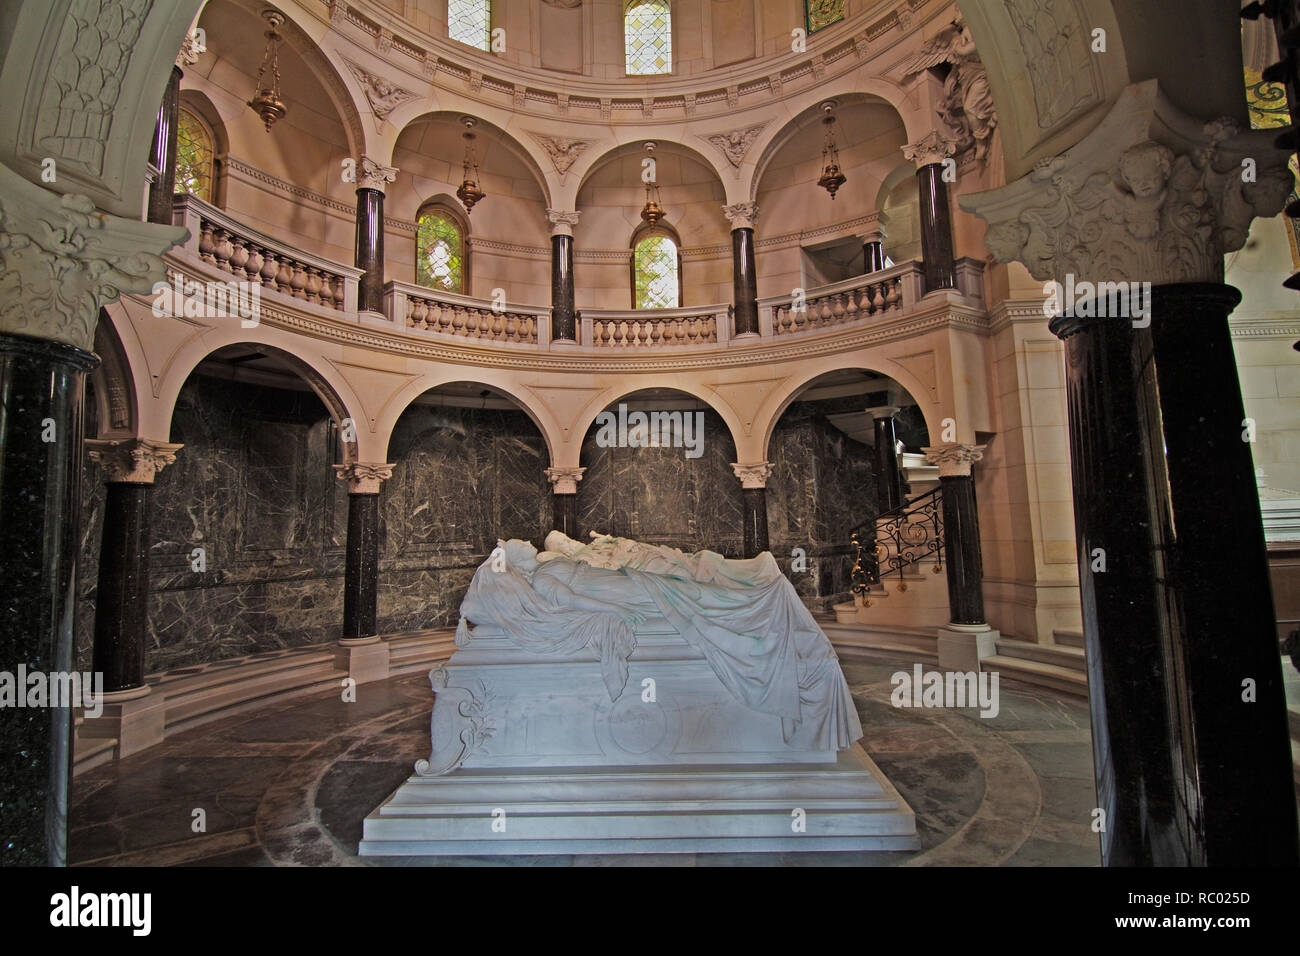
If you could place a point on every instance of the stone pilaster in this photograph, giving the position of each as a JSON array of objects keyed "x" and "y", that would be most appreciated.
[
  {"x": 564, "y": 487},
  {"x": 61, "y": 259},
  {"x": 360, "y": 647},
  {"x": 930, "y": 155},
  {"x": 564, "y": 313},
  {"x": 742, "y": 217},
  {"x": 1172, "y": 567},
  {"x": 372, "y": 178},
  {"x": 753, "y": 484}
]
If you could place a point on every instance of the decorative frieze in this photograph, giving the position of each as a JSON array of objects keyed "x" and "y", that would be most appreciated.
[
  {"x": 364, "y": 478},
  {"x": 1151, "y": 195},
  {"x": 132, "y": 460}
]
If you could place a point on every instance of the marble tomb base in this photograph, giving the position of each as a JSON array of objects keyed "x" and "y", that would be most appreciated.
[{"x": 530, "y": 756}]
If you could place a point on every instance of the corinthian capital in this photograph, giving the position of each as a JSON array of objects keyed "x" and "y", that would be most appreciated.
[
  {"x": 932, "y": 150},
  {"x": 564, "y": 479},
  {"x": 134, "y": 460},
  {"x": 741, "y": 215},
  {"x": 954, "y": 459},
  {"x": 1150, "y": 195},
  {"x": 364, "y": 478},
  {"x": 61, "y": 259},
  {"x": 372, "y": 175},
  {"x": 753, "y": 476},
  {"x": 562, "y": 221}
]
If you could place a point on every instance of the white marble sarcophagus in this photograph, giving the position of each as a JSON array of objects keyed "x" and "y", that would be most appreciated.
[{"x": 669, "y": 734}]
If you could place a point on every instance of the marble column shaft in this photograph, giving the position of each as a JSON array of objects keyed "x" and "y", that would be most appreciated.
[
  {"x": 889, "y": 477},
  {"x": 564, "y": 324},
  {"x": 1181, "y": 617},
  {"x": 361, "y": 566},
  {"x": 744, "y": 281},
  {"x": 753, "y": 502},
  {"x": 162, "y": 153},
  {"x": 936, "y": 229},
  {"x": 370, "y": 249},
  {"x": 122, "y": 595},
  {"x": 961, "y": 545},
  {"x": 873, "y": 256},
  {"x": 564, "y": 488},
  {"x": 41, "y": 397}
]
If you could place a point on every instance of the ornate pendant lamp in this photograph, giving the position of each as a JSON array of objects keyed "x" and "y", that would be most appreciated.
[
  {"x": 832, "y": 179},
  {"x": 267, "y": 103},
  {"x": 651, "y": 212},
  {"x": 469, "y": 193}
]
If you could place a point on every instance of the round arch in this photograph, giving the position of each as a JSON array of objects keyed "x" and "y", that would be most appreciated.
[
  {"x": 627, "y": 141},
  {"x": 500, "y": 381},
  {"x": 116, "y": 402},
  {"x": 781, "y": 399},
  {"x": 615, "y": 393}
]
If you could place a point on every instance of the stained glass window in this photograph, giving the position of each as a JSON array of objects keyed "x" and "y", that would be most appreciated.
[
  {"x": 822, "y": 13},
  {"x": 470, "y": 21},
  {"x": 193, "y": 157},
  {"x": 648, "y": 37},
  {"x": 439, "y": 252},
  {"x": 655, "y": 261}
]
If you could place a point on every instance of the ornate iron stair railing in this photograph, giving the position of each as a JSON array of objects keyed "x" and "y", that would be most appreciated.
[{"x": 896, "y": 540}]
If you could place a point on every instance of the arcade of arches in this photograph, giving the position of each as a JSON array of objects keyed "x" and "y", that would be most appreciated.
[{"x": 318, "y": 363}]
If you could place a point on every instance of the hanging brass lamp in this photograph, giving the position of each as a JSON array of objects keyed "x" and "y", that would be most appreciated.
[
  {"x": 266, "y": 102},
  {"x": 832, "y": 178},
  {"x": 651, "y": 212},
  {"x": 469, "y": 192}
]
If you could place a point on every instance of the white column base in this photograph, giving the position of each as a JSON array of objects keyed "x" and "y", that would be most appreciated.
[
  {"x": 138, "y": 722},
  {"x": 963, "y": 646},
  {"x": 365, "y": 659}
]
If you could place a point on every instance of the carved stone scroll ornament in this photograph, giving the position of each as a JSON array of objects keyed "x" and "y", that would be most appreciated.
[
  {"x": 753, "y": 476},
  {"x": 460, "y": 723},
  {"x": 61, "y": 259},
  {"x": 564, "y": 479},
  {"x": 364, "y": 478},
  {"x": 735, "y": 143},
  {"x": 954, "y": 459},
  {"x": 1151, "y": 195},
  {"x": 741, "y": 215},
  {"x": 931, "y": 150}
]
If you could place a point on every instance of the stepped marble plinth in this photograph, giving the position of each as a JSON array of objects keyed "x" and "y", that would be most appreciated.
[{"x": 531, "y": 756}]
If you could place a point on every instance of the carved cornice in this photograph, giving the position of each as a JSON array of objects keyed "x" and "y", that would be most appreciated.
[
  {"x": 753, "y": 476},
  {"x": 1151, "y": 195},
  {"x": 954, "y": 459},
  {"x": 741, "y": 215},
  {"x": 1253, "y": 327},
  {"x": 373, "y": 175},
  {"x": 931, "y": 150},
  {"x": 364, "y": 478},
  {"x": 564, "y": 479},
  {"x": 61, "y": 259},
  {"x": 132, "y": 460},
  {"x": 382, "y": 94},
  {"x": 735, "y": 143}
]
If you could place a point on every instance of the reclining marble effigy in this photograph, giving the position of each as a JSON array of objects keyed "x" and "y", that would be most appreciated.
[{"x": 614, "y": 692}]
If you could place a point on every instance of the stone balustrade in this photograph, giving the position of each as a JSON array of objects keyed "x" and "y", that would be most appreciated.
[
  {"x": 248, "y": 255},
  {"x": 219, "y": 242},
  {"x": 419, "y": 309},
  {"x": 889, "y": 291},
  {"x": 655, "y": 328}
]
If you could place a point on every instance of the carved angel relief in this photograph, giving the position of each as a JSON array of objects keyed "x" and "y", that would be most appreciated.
[
  {"x": 966, "y": 106},
  {"x": 735, "y": 143},
  {"x": 383, "y": 95},
  {"x": 563, "y": 152}
]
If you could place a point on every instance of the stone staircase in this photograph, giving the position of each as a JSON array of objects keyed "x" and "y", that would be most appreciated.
[{"x": 1060, "y": 666}]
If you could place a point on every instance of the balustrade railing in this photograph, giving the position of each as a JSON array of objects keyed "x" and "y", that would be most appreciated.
[
  {"x": 892, "y": 290},
  {"x": 248, "y": 255},
  {"x": 621, "y": 329},
  {"x": 413, "y": 307},
  {"x": 896, "y": 540}
]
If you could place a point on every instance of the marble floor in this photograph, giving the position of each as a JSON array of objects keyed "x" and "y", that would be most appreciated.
[{"x": 290, "y": 784}]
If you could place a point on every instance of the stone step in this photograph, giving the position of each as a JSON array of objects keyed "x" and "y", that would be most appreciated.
[
  {"x": 919, "y": 643},
  {"x": 1060, "y": 655},
  {"x": 847, "y": 804},
  {"x": 1035, "y": 672},
  {"x": 1068, "y": 638}
]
